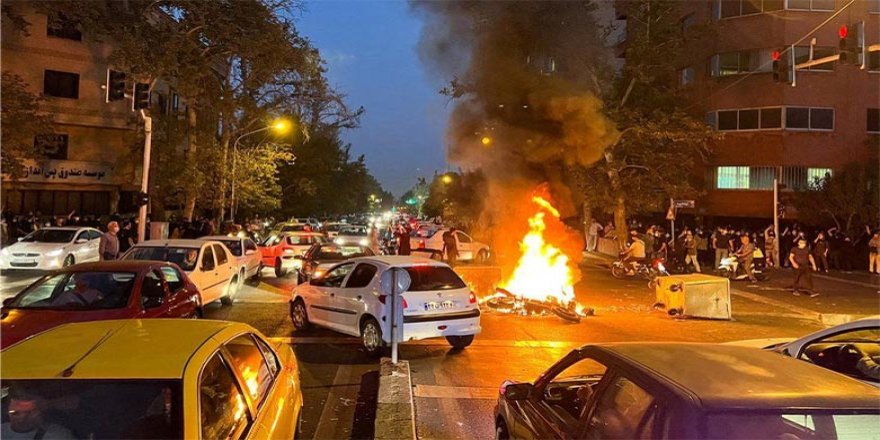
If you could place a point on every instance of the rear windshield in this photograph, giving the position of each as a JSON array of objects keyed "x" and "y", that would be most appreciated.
[
  {"x": 424, "y": 232},
  {"x": 184, "y": 257},
  {"x": 433, "y": 278},
  {"x": 361, "y": 232},
  {"x": 794, "y": 424},
  {"x": 93, "y": 409},
  {"x": 333, "y": 252}
]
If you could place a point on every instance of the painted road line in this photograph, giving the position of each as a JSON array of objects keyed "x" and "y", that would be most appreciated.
[
  {"x": 449, "y": 392},
  {"x": 438, "y": 342},
  {"x": 842, "y": 280},
  {"x": 273, "y": 289}
]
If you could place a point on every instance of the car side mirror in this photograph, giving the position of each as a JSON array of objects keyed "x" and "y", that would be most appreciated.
[
  {"x": 81, "y": 241},
  {"x": 20, "y": 239},
  {"x": 8, "y": 302},
  {"x": 151, "y": 302},
  {"x": 518, "y": 391}
]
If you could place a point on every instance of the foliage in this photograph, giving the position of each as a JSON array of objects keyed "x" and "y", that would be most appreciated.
[
  {"x": 456, "y": 197},
  {"x": 850, "y": 198},
  {"x": 22, "y": 120}
]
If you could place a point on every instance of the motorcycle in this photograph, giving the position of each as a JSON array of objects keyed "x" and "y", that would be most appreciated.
[
  {"x": 729, "y": 268},
  {"x": 620, "y": 270}
]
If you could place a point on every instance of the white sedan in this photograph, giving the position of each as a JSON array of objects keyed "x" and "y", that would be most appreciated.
[
  {"x": 250, "y": 264},
  {"x": 209, "y": 264},
  {"x": 431, "y": 238},
  {"x": 348, "y": 299},
  {"x": 51, "y": 248},
  {"x": 835, "y": 348}
]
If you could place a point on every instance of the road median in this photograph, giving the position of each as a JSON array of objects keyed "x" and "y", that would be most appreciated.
[{"x": 395, "y": 411}]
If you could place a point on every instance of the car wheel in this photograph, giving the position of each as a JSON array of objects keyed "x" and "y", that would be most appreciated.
[
  {"x": 300, "y": 278},
  {"x": 68, "y": 261},
  {"x": 279, "y": 270},
  {"x": 371, "y": 337},
  {"x": 501, "y": 432},
  {"x": 482, "y": 257},
  {"x": 259, "y": 274},
  {"x": 299, "y": 315},
  {"x": 231, "y": 290},
  {"x": 724, "y": 272},
  {"x": 460, "y": 342}
]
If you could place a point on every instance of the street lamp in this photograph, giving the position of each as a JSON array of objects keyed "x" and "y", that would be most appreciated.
[
  {"x": 486, "y": 140},
  {"x": 447, "y": 179},
  {"x": 280, "y": 126}
]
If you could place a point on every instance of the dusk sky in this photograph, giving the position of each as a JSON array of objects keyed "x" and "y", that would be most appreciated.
[{"x": 370, "y": 50}]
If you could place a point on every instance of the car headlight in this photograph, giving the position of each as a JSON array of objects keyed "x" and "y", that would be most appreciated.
[
  {"x": 54, "y": 253},
  {"x": 364, "y": 242},
  {"x": 339, "y": 241},
  {"x": 4, "y": 251}
]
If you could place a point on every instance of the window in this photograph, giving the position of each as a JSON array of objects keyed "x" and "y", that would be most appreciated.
[
  {"x": 797, "y": 118},
  {"x": 804, "y": 118},
  {"x": 747, "y": 119},
  {"x": 874, "y": 60},
  {"x": 873, "y": 120},
  {"x": 59, "y": 26},
  {"x": 802, "y": 55},
  {"x": 224, "y": 413},
  {"x": 208, "y": 259},
  {"x": 93, "y": 234},
  {"x": 874, "y": 7},
  {"x": 336, "y": 276},
  {"x": 175, "y": 102},
  {"x": 821, "y": 119},
  {"x": 816, "y": 176},
  {"x": 732, "y": 178},
  {"x": 172, "y": 279},
  {"x": 425, "y": 278},
  {"x": 462, "y": 237},
  {"x": 622, "y": 412},
  {"x": 249, "y": 361},
  {"x": 271, "y": 358},
  {"x": 151, "y": 287},
  {"x": 221, "y": 254},
  {"x": 737, "y": 8},
  {"x": 727, "y": 120},
  {"x": 583, "y": 368},
  {"x": 51, "y": 146},
  {"x": 249, "y": 245},
  {"x": 771, "y": 117},
  {"x": 686, "y": 76},
  {"x": 735, "y": 63},
  {"x": 84, "y": 235},
  {"x": 361, "y": 276},
  {"x": 61, "y": 84},
  {"x": 810, "y": 5},
  {"x": 234, "y": 247}
]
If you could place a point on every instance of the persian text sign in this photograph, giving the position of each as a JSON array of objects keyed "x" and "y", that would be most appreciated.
[{"x": 66, "y": 171}]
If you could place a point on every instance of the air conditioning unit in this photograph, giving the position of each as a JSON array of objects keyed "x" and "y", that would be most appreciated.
[{"x": 694, "y": 296}]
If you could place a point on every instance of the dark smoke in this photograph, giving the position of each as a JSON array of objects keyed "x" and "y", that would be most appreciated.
[{"x": 525, "y": 75}]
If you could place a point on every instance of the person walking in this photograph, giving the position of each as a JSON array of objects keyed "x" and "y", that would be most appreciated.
[
  {"x": 403, "y": 243},
  {"x": 820, "y": 252},
  {"x": 450, "y": 247},
  {"x": 593, "y": 235},
  {"x": 721, "y": 243},
  {"x": 799, "y": 258},
  {"x": 690, "y": 245},
  {"x": 770, "y": 250},
  {"x": 874, "y": 253},
  {"x": 109, "y": 246}
]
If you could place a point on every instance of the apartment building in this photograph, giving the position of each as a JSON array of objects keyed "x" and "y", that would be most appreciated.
[{"x": 772, "y": 129}]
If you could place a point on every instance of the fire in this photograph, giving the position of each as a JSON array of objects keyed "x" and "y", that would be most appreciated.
[{"x": 542, "y": 272}]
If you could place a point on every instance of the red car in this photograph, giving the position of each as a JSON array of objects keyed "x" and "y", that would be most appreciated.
[
  {"x": 97, "y": 291},
  {"x": 280, "y": 250}
]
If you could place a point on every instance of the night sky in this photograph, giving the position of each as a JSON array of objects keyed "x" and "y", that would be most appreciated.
[{"x": 370, "y": 50}]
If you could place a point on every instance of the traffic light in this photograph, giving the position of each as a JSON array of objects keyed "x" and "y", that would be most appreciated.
[
  {"x": 141, "y": 96},
  {"x": 115, "y": 87},
  {"x": 143, "y": 199},
  {"x": 852, "y": 43},
  {"x": 781, "y": 67}
]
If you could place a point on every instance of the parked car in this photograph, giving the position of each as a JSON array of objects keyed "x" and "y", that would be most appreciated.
[
  {"x": 693, "y": 391},
  {"x": 155, "y": 378},
  {"x": 323, "y": 256},
  {"x": 96, "y": 291},
  {"x": 348, "y": 299},
  {"x": 247, "y": 256},
  {"x": 836, "y": 348},
  {"x": 279, "y": 250},
  {"x": 51, "y": 248},
  {"x": 332, "y": 229},
  {"x": 353, "y": 235},
  {"x": 432, "y": 238},
  {"x": 290, "y": 227},
  {"x": 209, "y": 264}
]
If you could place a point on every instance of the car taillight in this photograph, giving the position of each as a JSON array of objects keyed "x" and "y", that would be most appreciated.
[
  {"x": 382, "y": 300},
  {"x": 472, "y": 298}
]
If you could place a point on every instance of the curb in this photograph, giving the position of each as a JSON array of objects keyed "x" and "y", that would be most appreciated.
[{"x": 395, "y": 410}]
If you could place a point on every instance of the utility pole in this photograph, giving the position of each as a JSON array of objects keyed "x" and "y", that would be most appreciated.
[
  {"x": 776, "y": 222},
  {"x": 145, "y": 178}
]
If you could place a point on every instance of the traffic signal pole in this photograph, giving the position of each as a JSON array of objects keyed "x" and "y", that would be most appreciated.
[{"x": 145, "y": 175}]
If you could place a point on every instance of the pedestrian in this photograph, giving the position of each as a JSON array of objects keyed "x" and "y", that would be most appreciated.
[
  {"x": 403, "y": 244},
  {"x": 450, "y": 247},
  {"x": 800, "y": 257},
  {"x": 820, "y": 252},
  {"x": 874, "y": 253},
  {"x": 109, "y": 246},
  {"x": 770, "y": 250},
  {"x": 690, "y": 245},
  {"x": 721, "y": 243},
  {"x": 593, "y": 235},
  {"x": 127, "y": 237},
  {"x": 746, "y": 256}
]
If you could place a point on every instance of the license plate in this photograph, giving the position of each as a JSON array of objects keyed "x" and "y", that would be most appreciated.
[
  {"x": 443, "y": 305},
  {"x": 26, "y": 261}
]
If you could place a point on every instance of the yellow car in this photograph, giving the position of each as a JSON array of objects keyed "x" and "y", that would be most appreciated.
[{"x": 157, "y": 378}]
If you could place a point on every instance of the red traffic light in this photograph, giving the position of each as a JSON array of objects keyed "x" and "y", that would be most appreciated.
[
  {"x": 842, "y": 32},
  {"x": 775, "y": 55}
]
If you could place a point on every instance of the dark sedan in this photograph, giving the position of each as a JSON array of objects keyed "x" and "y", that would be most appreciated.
[
  {"x": 694, "y": 391},
  {"x": 323, "y": 255},
  {"x": 98, "y": 291}
]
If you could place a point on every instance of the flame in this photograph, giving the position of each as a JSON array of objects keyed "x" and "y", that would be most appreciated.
[{"x": 542, "y": 272}]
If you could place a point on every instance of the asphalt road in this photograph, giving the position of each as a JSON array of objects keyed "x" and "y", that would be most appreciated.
[{"x": 455, "y": 390}]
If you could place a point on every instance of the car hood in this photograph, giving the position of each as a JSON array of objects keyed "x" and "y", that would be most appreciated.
[
  {"x": 39, "y": 248},
  {"x": 19, "y": 324}
]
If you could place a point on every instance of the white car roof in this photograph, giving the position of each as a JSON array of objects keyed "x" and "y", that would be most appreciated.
[
  {"x": 67, "y": 228},
  {"x": 219, "y": 238},
  {"x": 179, "y": 242},
  {"x": 400, "y": 260},
  {"x": 301, "y": 233}
]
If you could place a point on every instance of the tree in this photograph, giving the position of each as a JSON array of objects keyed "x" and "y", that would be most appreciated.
[
  {"x": 22, "y": 120},
  {"x": 456, "y": 197},
  {"x": 849, "y": 197}
]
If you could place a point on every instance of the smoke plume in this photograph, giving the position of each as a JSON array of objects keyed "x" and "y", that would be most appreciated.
[{"x": 523, "y": 77}]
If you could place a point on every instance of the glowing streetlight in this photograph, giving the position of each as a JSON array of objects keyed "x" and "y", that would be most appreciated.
[
  {"x": 280, "y": 126},
  {"x": 447, "y": 179},
  {"x": 486, "y": 140}
]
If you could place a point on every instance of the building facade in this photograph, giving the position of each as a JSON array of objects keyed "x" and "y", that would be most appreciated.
[
  {"x": 92, "y": 162},
  {"x": 773, "y": 130}
]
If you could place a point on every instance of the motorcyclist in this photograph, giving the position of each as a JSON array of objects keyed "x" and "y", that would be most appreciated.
[
  {"x": 745, "y": 255},
  {"x": 634, "y": 252}
]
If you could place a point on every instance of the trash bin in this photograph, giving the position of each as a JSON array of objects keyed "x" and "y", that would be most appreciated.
[{"x": 694, "y": 295}]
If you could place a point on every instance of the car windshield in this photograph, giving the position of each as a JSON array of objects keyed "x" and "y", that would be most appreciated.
[
  {"x": 333, "y": 228},
  {"x": 271, "y": 240},
  {"x": 361, "y": 232},
  {"x": 49, "y": 236},
  {"x": 433, "y": 278},
  {"x": 794, "y": 424},
  {"x": 77, "y": 291},
  {"x": 331, "y": 253},
  {"x": 185, "y": 257},
  {"x": 93, "y": 409},
  {"x": 234, "y": 246},
  {"x": 863, "y": 335}
]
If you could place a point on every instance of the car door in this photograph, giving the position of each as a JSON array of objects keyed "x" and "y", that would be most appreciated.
[
  {"x": 624, "y": 409},
  {"x": 180, "y": 303},
  {"x": 79, "y": 250},
  {"x": 154, "y": 296},
  {"x": 252, "y": 258},
  {"x": 223, "y": 409},
  {"x": 465, "y": 246},
  {"x": 323, "y": 305},
  {"x": 94, "y": 245},
  {"x": 352, "y": 296},
  {"x": 226, "y": 267},
  {"x": 209, "y": 275}
]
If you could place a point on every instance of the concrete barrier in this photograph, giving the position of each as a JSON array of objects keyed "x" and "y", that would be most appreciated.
[{"x": 395, "y": 410}]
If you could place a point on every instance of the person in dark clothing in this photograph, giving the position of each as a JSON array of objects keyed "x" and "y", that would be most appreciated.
[
  {"x": 800, "y": 257},
  {"x": 109, "y": 246},
  {"x": 403, "y": 244},
  {"x": 450, "y": 247},
  {"x": 820, "y": 252}
]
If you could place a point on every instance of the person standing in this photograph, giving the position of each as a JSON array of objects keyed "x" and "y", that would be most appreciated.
[
  {"x": 690, "y": 245},
  {"x": 820, "y": 252},
  {"x": 874, "y": 253},
  {"x": 450, "y": 247},
  {"x": 746, "y": 256},
  {"x": 799, "y": 258},
  {"x": 109, "y": 247},
  {"x": 770, "y": 247},
  {"x": 403, "y": 244},
  {"x": 593, "y": 235},
  {"x": 721, "y": 243}
]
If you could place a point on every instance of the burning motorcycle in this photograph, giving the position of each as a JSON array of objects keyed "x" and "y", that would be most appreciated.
[{"x": 650, "y": 272}]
